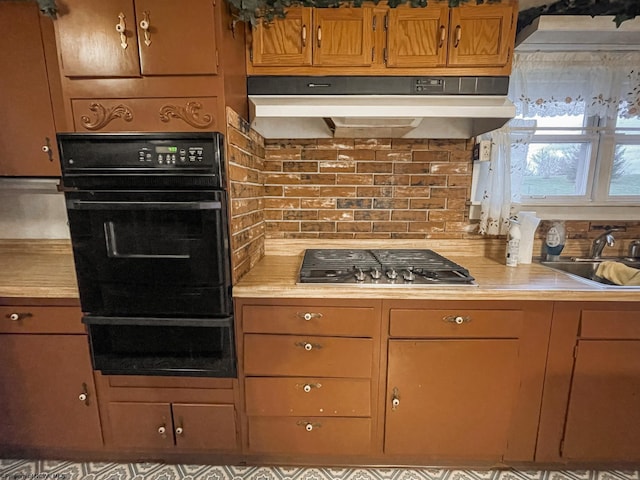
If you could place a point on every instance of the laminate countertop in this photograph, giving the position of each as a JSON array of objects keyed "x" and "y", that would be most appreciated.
[
  {"x": 37, "y": 271},
  {"x": 43, "y": 272},
  {"x": 276, "y": 276}
]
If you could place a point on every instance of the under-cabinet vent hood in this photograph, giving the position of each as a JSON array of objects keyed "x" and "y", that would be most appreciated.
[
  {"x": 578, "y": 33},
  {"x": 375, "y": 107}
]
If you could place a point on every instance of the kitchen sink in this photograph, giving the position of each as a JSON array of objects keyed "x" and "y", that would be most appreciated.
[{"x": 585, "y": 270}]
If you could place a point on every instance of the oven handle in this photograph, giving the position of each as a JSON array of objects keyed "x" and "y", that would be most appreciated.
[
  {"x": 94, "y": 205},
  {"x": 159, "y": 321}
]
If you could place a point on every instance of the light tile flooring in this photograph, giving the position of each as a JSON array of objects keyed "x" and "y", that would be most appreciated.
[{"x": 62, "y": 470}]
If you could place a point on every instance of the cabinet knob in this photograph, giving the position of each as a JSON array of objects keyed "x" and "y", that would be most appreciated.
[
  {"x": 162, "y": 431},
  {"x": 307, "y": 387},
  {"x": 121, "y": 28},
  {"x": 145, "y": 25},
  {"x": 308, "y": 346},
  {"x": 457, "y": 319},
  {"x": 458, "y": 36},
  {"x": 308, "y": 315},
  {"x": 443, "y": 36},
  {"x": 308, "y": 426},
  {"x": 395, "y": 399},
  {"x": 46, "y": 148},
  {"x": 15, "y": 316},
  {"x": 84, "y": 395},
  {"x": 304, "y": 35},
  {"x": 179, "y": 430}
]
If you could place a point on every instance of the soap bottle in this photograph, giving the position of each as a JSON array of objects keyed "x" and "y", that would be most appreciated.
[
  {"x": 555, "y": 240},
  {"x": 513, "y": 242}
]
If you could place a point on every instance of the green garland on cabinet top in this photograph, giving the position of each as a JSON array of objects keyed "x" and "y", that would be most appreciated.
[{"x": 264, "y": 11}]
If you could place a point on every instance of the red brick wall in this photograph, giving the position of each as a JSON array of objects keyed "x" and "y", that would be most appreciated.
[{"x": 369, "y": 188}]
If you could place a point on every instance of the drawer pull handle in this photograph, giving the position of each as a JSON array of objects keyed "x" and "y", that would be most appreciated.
[
  {"x": 395, "y": 399},
  {"x": 308, "y": 346},
  {"x": 457, "y": 319},
  {"x": 307, "y": 387},
  {"x": 308, "y": 426},
  {"x": 121, "y": 28},
  {"x": 308, "y": 315},
  {"x": 15, "y": 316}
]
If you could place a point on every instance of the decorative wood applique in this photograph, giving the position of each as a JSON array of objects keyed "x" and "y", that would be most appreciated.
[
  {"x": 189, "y": 114},
  {"x": 105, "y": 115}
]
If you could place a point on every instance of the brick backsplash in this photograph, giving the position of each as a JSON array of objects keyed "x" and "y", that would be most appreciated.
[{"x": 367, "y": 188}]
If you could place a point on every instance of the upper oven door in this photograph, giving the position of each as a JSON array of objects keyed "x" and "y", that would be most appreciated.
[{"x": 151, "y": 253}]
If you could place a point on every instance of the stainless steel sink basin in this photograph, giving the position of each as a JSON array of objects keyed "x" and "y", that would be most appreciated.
[{"x": 585, "y": 270}]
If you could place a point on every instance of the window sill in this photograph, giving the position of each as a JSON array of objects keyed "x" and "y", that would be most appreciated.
[{"x": 575, "y": 212}]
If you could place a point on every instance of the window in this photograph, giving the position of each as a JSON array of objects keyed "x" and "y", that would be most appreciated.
[{"x": 575, "y": 143}]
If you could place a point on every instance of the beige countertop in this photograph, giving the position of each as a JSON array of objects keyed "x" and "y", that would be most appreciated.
[
  {"x": 276, "y": 276},
  {"x": 37, "y": 270},
  {"x": 44, "y": 270}
]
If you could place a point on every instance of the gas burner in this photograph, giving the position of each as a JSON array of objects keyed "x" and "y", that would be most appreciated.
[{"x": 381, "y": 267}]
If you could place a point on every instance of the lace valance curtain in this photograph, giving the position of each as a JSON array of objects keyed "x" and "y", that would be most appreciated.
[{"x": 605, "y": 84}]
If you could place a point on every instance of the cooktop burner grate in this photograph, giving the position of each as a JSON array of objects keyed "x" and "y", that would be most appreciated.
[{"x": 381, "y": 266}]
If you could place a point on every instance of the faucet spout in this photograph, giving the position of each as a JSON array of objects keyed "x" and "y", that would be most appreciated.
[{"x": 602, "y": 240}]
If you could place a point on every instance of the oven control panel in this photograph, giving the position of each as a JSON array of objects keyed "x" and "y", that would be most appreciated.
[{"x": 171, "y": 155}]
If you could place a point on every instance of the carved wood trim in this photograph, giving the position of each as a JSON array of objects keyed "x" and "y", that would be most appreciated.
[
  {"x": 189, "y": 114},
  {"x": 104, "y": 115}
]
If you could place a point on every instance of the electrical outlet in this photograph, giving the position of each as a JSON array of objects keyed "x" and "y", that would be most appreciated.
[{"x": 485, "y": 151}]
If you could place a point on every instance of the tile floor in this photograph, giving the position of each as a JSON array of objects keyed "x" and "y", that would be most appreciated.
[{"x": 63, "y": 470}]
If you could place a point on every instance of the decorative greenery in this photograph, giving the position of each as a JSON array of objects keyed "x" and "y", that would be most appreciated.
[
  {"x": 257, "y": 11},
  {"x": 621, "y": 10}
]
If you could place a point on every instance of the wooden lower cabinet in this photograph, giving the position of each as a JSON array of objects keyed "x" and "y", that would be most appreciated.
[
  {"x": 310, "y": 375},
  {"x": 47, "y": 394},
  {"x": 464, "y": 379},
  {"x": 591, "y": 406},
  {"x": 163, "y": 425}
]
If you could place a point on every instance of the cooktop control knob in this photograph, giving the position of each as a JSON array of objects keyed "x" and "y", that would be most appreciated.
[
  {"x": 408, "y": 276},
  {"x": 375, "y": 274},
  {"x": 360, "y": 275},
  {"x": 392, "y": 274}
]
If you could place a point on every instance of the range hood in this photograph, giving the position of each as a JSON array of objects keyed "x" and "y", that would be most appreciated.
[
  {"x": 578, "y": 33},
  {"x": 378, "y": 107}
]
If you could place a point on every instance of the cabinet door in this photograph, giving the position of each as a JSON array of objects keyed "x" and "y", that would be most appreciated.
[
  {"x": 140, "y": 425},
  {"x": 451, "y": 398},
  {"x": 604, "y": 407},
  {"x": 481, "y": 35},
  {"x": 417, "y": 37},
  {"x": 97, "y": 38},
  {"x": 285, "y": 41},
  {"x": 179, "y": 38},
  {"x": 343, "y": 36},
  {"x": 25, "y": 103},
  {"x": 210, "y": 427},
  {"x": 41, "y": 380}
]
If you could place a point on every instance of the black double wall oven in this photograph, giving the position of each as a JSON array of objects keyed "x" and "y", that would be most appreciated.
[{"x": 149, "y": 230}]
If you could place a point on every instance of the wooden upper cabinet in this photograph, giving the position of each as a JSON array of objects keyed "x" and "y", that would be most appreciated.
[
  {"x": 482, "y": 35},
  {"x": 285, "y": 41},
  {"x": 318, "y": 37},
  {"x": 417, "y": 37},
  {"x": 343, "y": 36},
  {"x": 28, "y": 134},
  {"x": 123, "y": 38}
]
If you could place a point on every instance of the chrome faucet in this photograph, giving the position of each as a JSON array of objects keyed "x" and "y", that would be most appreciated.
[{"x": 605, "y": 238}]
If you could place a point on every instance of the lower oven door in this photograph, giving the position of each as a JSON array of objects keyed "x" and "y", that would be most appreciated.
[
  {"x": 151, "y": 253},
  {"x": 162, "y": 346}
]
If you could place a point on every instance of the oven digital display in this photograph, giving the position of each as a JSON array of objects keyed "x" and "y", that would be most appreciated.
[{"x": 166, "y": 149}]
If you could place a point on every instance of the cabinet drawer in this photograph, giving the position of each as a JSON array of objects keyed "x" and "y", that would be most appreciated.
[
  {"x": 456, "y": 323},
  {"x": 333, "y": 397},
  {"x": 310, "y": 435},
  {"x": 41, "y": 320},
  {"x": 610, "y": 324},
  {"x": 289, "y": 355},
  {"x": 309, "y": 320},
  {"x": 146, "y": 114}
]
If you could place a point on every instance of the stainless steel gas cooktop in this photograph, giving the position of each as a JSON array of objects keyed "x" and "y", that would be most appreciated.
[{"x": 381, "y": 267}]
